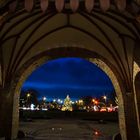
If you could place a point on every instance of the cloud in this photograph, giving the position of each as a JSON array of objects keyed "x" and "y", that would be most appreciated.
[
  {"x": 44, "y": 86},
  {"x": 69, "y": 74}
]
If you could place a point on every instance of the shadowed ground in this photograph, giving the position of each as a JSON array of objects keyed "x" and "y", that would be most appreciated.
[{"x": 68, "y": 129}]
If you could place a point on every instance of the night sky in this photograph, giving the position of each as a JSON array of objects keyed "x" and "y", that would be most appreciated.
[{"x": 74, "y": 76}]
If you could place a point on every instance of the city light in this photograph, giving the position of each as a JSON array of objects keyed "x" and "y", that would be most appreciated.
[
  {"x": 96, "y": 108},
  {"x": 32, "y": 106},
  {"x": 28, "y": 95},
  {"x": 96, "y": 133},
  {"x": 54, "y": 100},
  {"x": 105, "y": 97},
  {"x": 68, "y": 104},
  {"x": 72, "y": 102},
  {"x": 44, "y": 98},
  {"x": 44, "y": 109},
  {"x": 80, "y": 101},
  {"x": 93, "y": 100},
  {"x": 96, "y": 102}
]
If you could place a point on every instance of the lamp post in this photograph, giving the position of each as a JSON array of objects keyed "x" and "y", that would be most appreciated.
[
  {"x": 28, "y": 96},
  {"x": 105, "y": 98}
]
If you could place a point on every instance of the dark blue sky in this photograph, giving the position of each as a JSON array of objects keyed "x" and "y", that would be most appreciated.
[{"x": 74, "y": 76}]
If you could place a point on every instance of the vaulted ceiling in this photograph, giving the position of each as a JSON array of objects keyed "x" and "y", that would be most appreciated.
[{"x": 111, "y": 34}]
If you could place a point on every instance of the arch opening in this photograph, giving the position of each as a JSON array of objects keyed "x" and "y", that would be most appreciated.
[
  {"x": 24, "y": 42},
  {"x": 25, "y": 72},
  {"x": 67, "y": 79}
]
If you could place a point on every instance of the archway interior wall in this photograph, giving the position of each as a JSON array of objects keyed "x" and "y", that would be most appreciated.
[
  {"x": 16, "y": 90},
  {"x": 105, "y": 30},
  {"x": 136, "y": 64},
  {"x": 0, "y": 75},
  {"x": 74, "y": 38},
  {"x": 95, "y": 31},
  {"x": 42, "y": 60},
  {"x": 118, "y": 91},
  {"x": 136, "y": 71}
]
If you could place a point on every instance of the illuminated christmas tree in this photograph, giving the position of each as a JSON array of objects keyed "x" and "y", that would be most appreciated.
[{"x": 67, "y": 106}]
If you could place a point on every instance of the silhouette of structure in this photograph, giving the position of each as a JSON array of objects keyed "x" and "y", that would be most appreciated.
[{"x": 106, "y": 33}]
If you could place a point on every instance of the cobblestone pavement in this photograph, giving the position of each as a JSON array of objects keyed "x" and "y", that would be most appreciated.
[{"x": 68, "y": 130}]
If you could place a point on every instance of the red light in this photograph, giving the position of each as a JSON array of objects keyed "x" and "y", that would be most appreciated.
[
  {"x": 96, "y": 133},
  {"x": 103, "y": 109},
  {"x": 110, "y": 110},
  {"x": 96, "y": 102}
]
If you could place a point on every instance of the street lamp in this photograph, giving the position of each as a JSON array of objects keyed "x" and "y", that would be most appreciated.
[
  {"x": 105, "y": 98},
  {"x": 27, "y": 100},
  {"x": 28, "y": 95}
]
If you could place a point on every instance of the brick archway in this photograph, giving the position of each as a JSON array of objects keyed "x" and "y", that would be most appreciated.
[
  {"x": 24, "y": 36},
  {"x": 137, "y": 91},
  {"x": 137, "y": 88},
  {"x": 72, "y": 52}
]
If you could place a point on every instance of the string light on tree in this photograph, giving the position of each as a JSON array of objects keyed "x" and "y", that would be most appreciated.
[{"x": 67, "y": 106}]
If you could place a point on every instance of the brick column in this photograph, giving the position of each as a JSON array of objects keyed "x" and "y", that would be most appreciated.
[
  {"x": 131, "y": 117},
  {"x": 6, "y": 115},
  {"x": 2, "y": 113}
]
